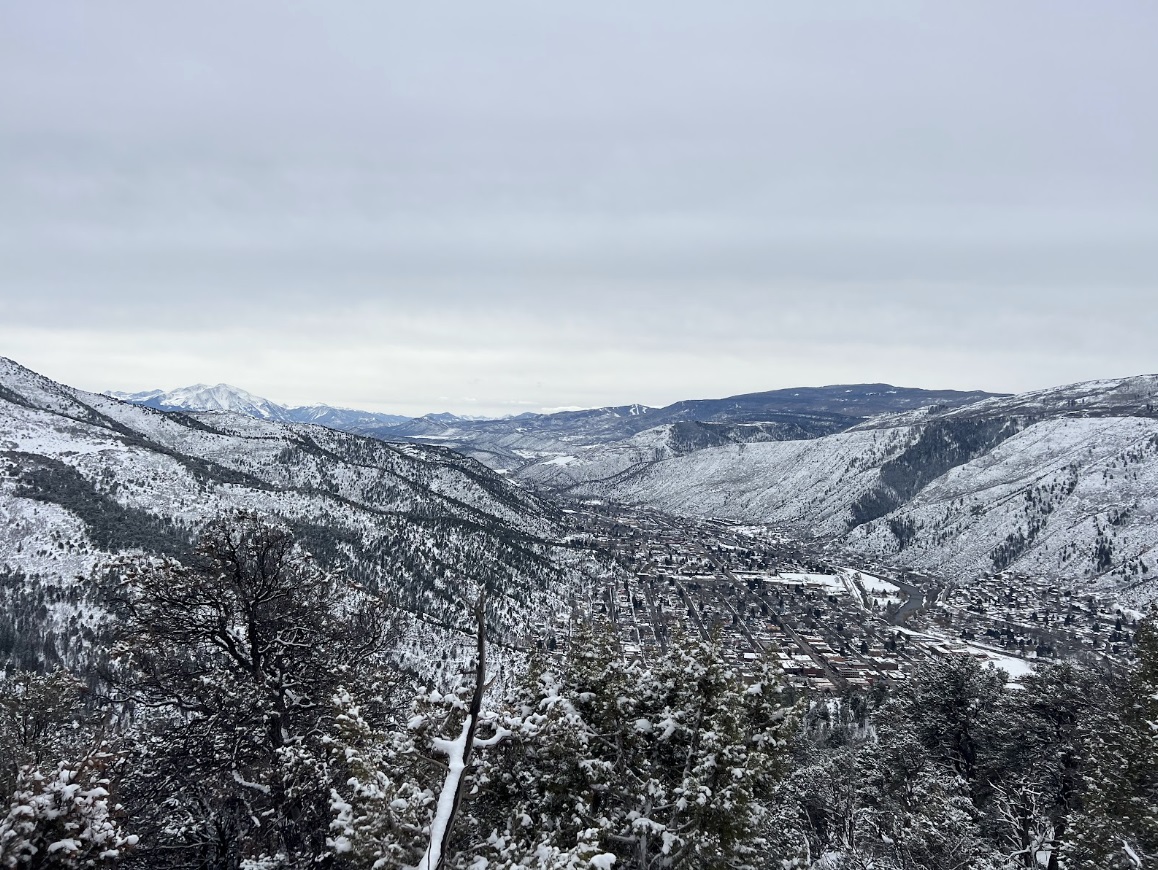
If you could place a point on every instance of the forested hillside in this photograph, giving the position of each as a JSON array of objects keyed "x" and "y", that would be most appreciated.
[{"x": 84, "y": 478}]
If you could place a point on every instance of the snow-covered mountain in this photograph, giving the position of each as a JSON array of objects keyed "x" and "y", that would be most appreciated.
[
  {"x": 1062, "y": 483},
  {"x": 224, "y": 397},
  {"x": 84, "y": 477},
  {"x": 509, "y": 444},
  {"x": 202, "y": 397}
]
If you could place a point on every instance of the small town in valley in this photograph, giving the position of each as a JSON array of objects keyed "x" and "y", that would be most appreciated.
[{"x": 834, "y": 624}]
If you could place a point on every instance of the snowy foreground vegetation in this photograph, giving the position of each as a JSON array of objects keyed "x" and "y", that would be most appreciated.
[{"x": 254, "y": 714}]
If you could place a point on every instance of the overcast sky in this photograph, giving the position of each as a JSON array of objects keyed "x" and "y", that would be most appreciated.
[{"x": 505, "y": 206}]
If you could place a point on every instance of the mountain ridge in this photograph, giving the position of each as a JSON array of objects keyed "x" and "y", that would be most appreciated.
[
  {"x": 512, "y": 444},
  {"x": 1062, "y": 482}
]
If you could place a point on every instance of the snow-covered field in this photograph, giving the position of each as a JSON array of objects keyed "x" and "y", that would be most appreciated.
[
  {"x": 875, "y": 591},
  {"x": 835, "y": 584},
  {"x": 1016, "y": 667}
]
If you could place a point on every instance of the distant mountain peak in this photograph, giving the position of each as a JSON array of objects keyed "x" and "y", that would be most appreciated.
[
  {"x": 231, "y": 399},
  {"x": 202, "y": 397}
]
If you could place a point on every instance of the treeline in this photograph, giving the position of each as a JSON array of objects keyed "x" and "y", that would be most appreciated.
[
  {"x": 111, "y": 526},
  {"x": 942, "y": 445},
  {"x": 251, "y": 715}
]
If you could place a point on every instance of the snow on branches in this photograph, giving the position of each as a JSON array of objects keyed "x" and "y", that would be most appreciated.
[{"x": 63, "y": 818}]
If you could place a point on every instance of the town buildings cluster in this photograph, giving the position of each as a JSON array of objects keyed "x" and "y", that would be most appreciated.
[{"x": 835, "y": 625}]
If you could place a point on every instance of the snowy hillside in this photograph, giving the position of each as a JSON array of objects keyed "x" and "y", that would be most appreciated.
[
  {"x": 808, "y": 484},
  {"x": 84, "y": 477},
  {"x": 1075, "y": 499}
]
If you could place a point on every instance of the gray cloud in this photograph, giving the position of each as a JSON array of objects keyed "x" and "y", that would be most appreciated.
[{"x": 411, "y": 206}]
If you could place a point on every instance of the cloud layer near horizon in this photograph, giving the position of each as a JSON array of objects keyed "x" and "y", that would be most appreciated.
[{"x": 499, "y": 207}]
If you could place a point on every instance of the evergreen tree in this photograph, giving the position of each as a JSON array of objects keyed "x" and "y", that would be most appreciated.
[
  {"x": 1039, "y": 757},
  {"x": 888, "y": 803},
  {"x": 64, "y": 818},
  {"x": 1118, "y": 827},
  {"x": 43, "y": 719},
  {"x": 231, "y": 661},
  {"x": 949, "y": 705},
  {"x": 669, "y": 766}
]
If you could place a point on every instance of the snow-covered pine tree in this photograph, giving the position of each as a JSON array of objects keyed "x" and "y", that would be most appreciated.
[
  {"x": 57, "y": 777},
  {"x": 43, "y": 719},
  {"x": 1117, "y": 828},
  {"x": 406, "y": 784},
  {"x": 1040, "y": 737},
  {"x": 230, "y": 661},
  {"x": 950, "y": 706},
  {"x": 662, "y": 766},
  {"x": 63, "y": 817},
  {"x": 899, "y": 794},
  {"x": 886, "y": 803},
  {"x": 382, "y": 800}
]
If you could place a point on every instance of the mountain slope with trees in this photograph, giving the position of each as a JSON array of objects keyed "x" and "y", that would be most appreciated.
[
  {"x": 511, "y": 443},
  {"x": 84, "y": 478}
]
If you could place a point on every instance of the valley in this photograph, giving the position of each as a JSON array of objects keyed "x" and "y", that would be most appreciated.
[
  {"x": 1022, "y": 525},
  {"x": 1059, "y": 484}
]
